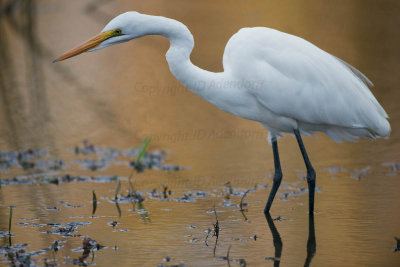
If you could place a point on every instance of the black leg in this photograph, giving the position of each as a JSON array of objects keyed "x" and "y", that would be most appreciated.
[
  {"x": 277, "y": 175},
  {"x": 310, "y": 172}
]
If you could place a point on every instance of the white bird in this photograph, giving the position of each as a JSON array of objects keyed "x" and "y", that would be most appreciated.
[{"x": 282, "y": 81}]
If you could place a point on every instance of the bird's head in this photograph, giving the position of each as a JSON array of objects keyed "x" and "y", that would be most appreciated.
[{"x": 122, "y": 28}]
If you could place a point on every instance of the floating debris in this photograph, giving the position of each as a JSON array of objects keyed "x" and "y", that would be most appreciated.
[
  {"x": 397, "y": 247},
  {"x": 17, "y": 255},
  {"x": 201, "y": 193},
  {"x": 193, "y": 240},
  {"x": 33, "y": 159},
  {"x": 93, "y": 165},
  {"x": 113, "y": 223},
  {"x": 88, "y": 148},
  {"x": 29, "y": 159},
  {"x": 88, "y": 245},
  {"x": 241, "y": 262},
  {"x": 67, "y": 205},
  {"x": 51, "y": 208},
  {"x": 272, "y": 259},
  {"x": 65, "y": 230},
  {"x": 42, "y": 178},
  {"x": 154, "y": 161},
  {"x": 23, "y": 158},
  {"x": 6, "y": 234},
  {"x": 357, "y": 174},
  {"x": 56, "y": 246},
  {"x": 174, "y": 265},
  {"x": 50, "y": 165},
  {"x": 394, "y": 166},
  {"x": 333, "y": 170},
  {"x": 239, "y": 239},
  {"x": 149, "y": 160},
  {"x": 189, "y": 197},
  {"x": 163, "y": 195},
  {"x": 254, "y": 237}
]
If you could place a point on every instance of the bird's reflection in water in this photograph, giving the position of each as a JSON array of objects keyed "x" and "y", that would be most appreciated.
[
  {"x": 311, "y": 244},
  {"x": 276, "y": 239}
]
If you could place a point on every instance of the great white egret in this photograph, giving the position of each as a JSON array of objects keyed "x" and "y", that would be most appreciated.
[{"x": 282, "y": 81}]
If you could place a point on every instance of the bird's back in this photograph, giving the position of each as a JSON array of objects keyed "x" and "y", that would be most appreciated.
[{"x": 304, "y": 83}]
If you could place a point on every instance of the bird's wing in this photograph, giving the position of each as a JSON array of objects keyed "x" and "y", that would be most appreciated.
[{"x": 298, "y": 80}]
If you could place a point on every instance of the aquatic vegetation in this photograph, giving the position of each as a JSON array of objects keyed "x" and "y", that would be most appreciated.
[
  {"x": 128, "y": 200},
  {"x": 33, "y": 161}
]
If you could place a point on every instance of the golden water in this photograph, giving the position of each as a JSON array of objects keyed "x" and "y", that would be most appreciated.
[{"x": 117, "y": 96}]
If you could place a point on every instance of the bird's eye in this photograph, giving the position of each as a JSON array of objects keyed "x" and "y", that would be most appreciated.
[{"x": 118, "y": 31}]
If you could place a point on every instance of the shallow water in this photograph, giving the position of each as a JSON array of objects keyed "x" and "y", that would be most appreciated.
[{"x": 116, "y": 97}]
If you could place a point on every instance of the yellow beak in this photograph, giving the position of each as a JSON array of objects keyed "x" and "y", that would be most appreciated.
[{"x": 90, "y": 44}]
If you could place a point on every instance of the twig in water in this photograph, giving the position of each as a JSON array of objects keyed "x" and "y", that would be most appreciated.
[
  {"x": 9, "y": 226},
  {"x": 230, "y": 190},
  {"x": 117, "y": 190},
  {"x": 227, "y": 256},
  {"x": 94, "y": 201},
  {"x": 10, "y": 220},
  {"x": 216, "y": 225},
  {"x": 208, "y": 233},
  {"x": 118, "y": 208},
  {"x": 165, "y": 188},
  {"x": 241, "y": 205},
  {"x": 216, "y": 230}
]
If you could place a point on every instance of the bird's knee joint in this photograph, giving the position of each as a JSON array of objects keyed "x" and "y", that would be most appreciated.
[
  {"x": 311, "y": 175},
  {"x": 278, "y": 176}
]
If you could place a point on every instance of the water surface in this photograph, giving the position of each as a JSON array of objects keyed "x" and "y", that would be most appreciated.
[{"x": 116, "y": 97}]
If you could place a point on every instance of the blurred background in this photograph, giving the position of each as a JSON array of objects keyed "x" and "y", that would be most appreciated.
[{"x": 118, "y": 96}]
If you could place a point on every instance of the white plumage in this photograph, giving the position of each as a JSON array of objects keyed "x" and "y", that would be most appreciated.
[{"x": 303, "y": 86}]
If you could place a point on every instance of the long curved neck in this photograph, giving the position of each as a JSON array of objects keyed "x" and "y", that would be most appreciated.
[{"x": 199, "y": 81}]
